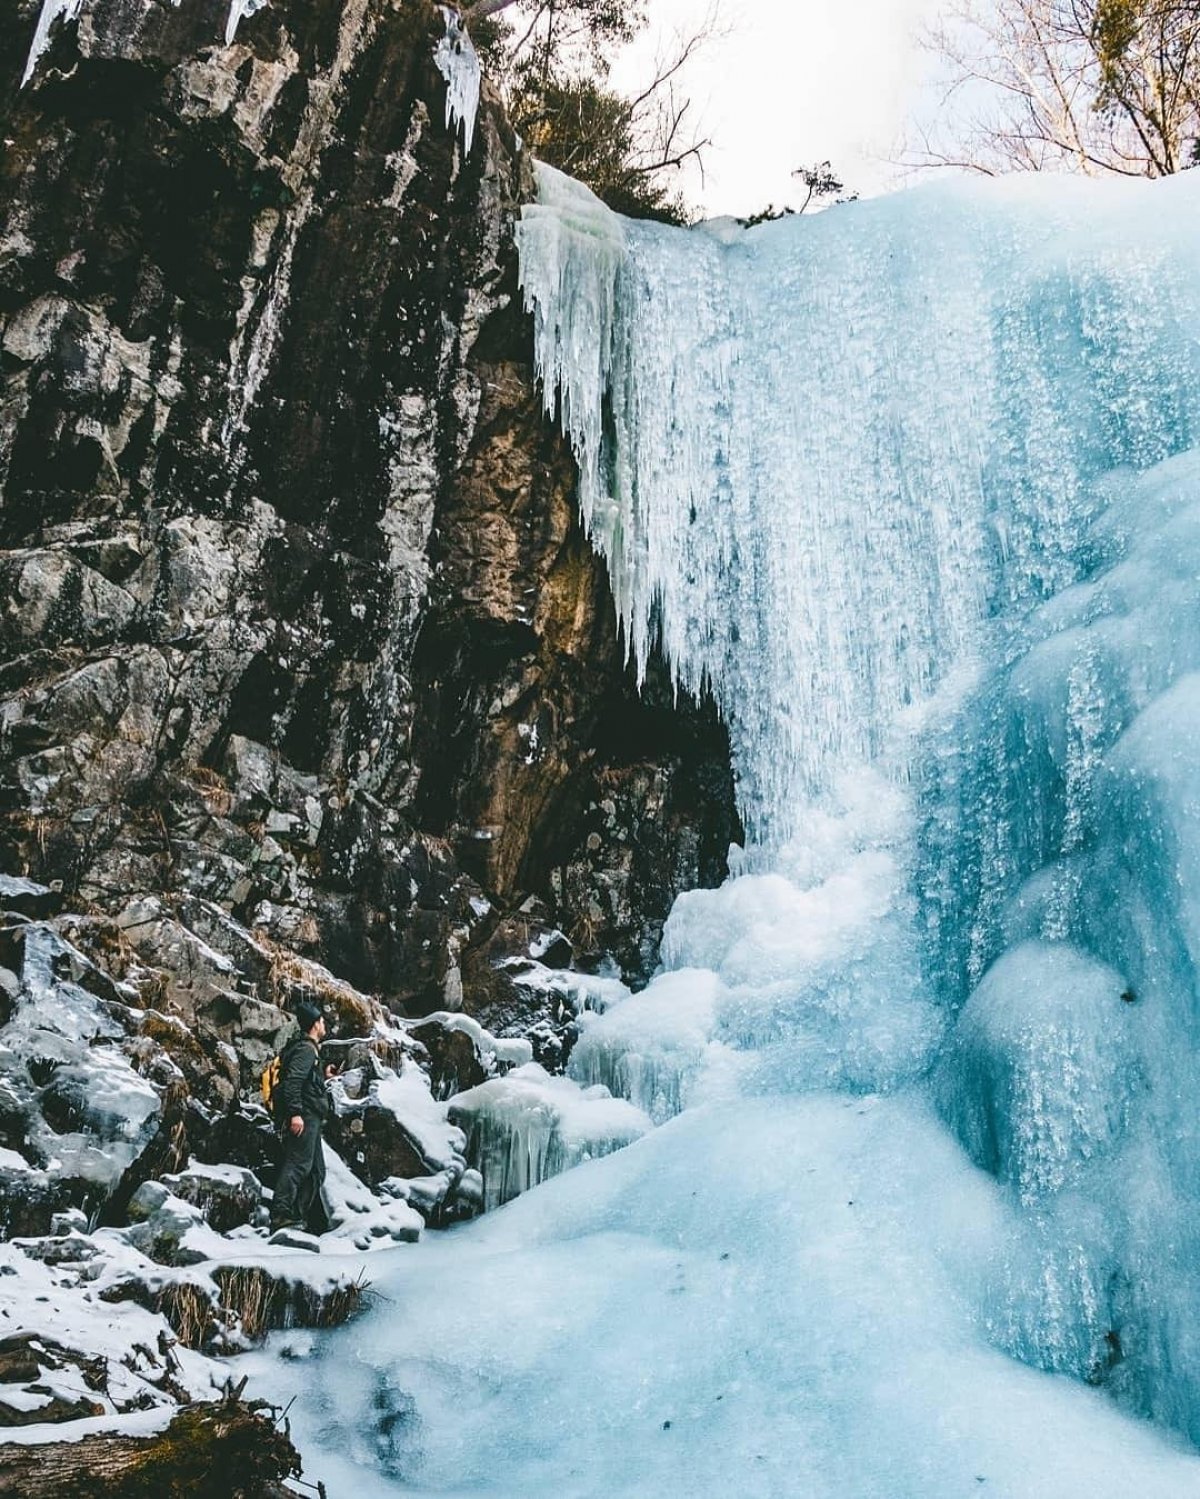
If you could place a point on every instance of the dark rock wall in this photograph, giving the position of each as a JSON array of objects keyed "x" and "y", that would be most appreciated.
[{"x": 295, "y": 613}]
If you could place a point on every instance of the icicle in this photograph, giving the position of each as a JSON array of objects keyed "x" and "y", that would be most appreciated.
[
  {"x": 240, "y": 10},
  {"x": 458, "y": 63},
  {"x": 797, "y": 445},
  {"x": 529, "y": 1126},
  {"x": 53, "y": 11}
]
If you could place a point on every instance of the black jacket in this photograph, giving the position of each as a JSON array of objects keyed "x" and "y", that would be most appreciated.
[{"x": 302, "y": 1081}]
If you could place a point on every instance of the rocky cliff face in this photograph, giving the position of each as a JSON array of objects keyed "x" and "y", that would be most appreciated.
[
  {"x": 309, "y": 681},
  {"x": 297, "y": 618}
]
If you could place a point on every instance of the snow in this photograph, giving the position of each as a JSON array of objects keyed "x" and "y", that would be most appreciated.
[
  {"x": 914, "y": 487},
  {"x": 458, "y": 63},
  {"x": 582, "y": 991},
  {"x": 887, "y": 1183},
  {"x": 406, "y": 1093},
  {"x": 14, "y": 884},
  {"x": 145, "y": 1423},
  {"x": 62, "y": 1304},
  {"x": 505, "y": 1051}
]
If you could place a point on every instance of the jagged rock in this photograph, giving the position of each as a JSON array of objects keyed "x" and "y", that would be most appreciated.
[
  {"x": 160, "y": 1223},
  {"x": 242, "y": 1137},
  {"x": 307, "y": 626},
  {"x": 451, "y": 1058},
  {"x": 228, "y": 1196},
  {"x": 376, "y": 1145}
]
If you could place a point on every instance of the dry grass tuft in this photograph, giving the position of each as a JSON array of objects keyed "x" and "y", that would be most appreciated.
[
  {"x": 190, "y": 1311},
  {"x": 258, "y": 1302},
  {"x": 292, "y": 976}
]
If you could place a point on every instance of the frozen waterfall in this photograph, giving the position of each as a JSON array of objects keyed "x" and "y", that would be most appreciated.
[
  {"x": 914, "y": 488},
  {"x": 818, "y": 456}
]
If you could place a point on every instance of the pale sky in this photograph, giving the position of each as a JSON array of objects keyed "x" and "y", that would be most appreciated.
[{"x": 794, "y": 84}]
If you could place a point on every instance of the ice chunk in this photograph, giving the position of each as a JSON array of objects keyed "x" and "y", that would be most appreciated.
[
  {"x": 1043, "y": 1068},
  {"x": 529, "y": 1126},
  {"x": 657, "y": 1049}
]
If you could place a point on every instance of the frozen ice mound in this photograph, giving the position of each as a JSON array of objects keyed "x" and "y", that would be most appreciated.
[
  {"x": 1043, "y": 1068},
  {"x": 657, "y": 1048},
  {"x": 1061, "y": 868},
  {"x": 776, "y": 1298}
]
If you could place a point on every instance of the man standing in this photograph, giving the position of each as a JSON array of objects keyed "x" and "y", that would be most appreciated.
[{"x": 303, "y": 1107}]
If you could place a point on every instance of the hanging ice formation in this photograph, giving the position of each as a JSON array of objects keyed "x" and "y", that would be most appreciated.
[
  {"x": 914, "y": 487},
  {"x": 65, "y": 12},
  {"x": 458, "y": 63},
  {"x": 52, "y": 14},
  {"x": 239, "y": 10}
]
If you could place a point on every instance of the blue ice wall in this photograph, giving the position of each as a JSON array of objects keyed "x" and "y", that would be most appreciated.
[{"x": 818, "y": 454}]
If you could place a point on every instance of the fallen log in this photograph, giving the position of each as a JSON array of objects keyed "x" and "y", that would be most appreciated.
[{"x": 230, "y": 1449}]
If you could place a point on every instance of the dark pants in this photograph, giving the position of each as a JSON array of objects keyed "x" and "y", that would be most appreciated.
[{"x": 298, "y": 1195}]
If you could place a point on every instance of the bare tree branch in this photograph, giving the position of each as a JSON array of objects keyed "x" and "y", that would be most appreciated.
[{"x": 1093, "y": 85}]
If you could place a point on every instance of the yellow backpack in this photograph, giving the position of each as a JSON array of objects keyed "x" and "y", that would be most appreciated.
[
  {"x": 273, "y": 1071},
  {"x": 270, "y": 1082}
]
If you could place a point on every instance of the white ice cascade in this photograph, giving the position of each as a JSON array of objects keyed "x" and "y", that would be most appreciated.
[
  {"x": 803, "y": 449},
  {"x": 56, "y": 13},
  {"x": 458, "y": 63}
]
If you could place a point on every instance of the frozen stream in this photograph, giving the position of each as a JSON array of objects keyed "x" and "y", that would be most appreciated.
[{"x": 912, "y": 486}]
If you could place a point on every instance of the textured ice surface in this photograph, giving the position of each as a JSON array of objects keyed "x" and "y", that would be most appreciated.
[
  {"x": 817, "y": 454},
  {"x": 776, "y": 1298},
  {"x": 458, "y": 63},
  {"x": 913, "y": 488}
]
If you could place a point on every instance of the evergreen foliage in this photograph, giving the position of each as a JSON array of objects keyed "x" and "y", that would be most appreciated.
[{"x": 553, "y": 63}]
